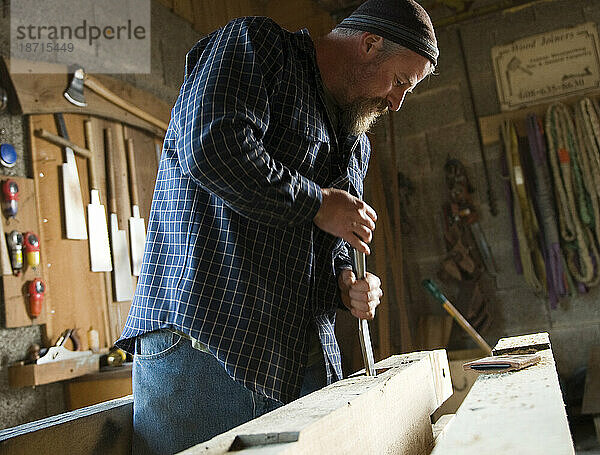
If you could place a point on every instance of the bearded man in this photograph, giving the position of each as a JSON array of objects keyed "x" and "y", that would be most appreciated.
[{"x": 256, "y": 205}]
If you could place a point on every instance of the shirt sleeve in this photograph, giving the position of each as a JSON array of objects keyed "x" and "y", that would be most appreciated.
[{"x": 222, "y": 118}]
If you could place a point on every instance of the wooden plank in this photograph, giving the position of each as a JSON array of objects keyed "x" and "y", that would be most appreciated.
[
  {"x": 516, "y": 412},
  {"x": 105, "y": 385},
  {"x": 524, "y": 344},
  {"x": 490, "y": 125},
  {"x": 39, "y": 93},
  {"x": 16, "y": 300},
  {"x": 33, "y": 374},
  {"x": 104, "y": 428},
  {"x": 591, "y": 395},
  {"x": 184, "y": 9},
  {"x": 77, "y": 294},
  {"x": 403, "y": 396}
]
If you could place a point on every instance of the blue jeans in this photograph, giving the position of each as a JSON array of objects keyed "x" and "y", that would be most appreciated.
[{"x": 183, "y": 396}]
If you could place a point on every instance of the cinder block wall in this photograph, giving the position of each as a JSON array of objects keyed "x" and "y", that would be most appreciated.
[{"x": 437, "y": 121}]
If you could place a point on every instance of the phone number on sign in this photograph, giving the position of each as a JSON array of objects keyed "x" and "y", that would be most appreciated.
[{"x": 40, "y": 48}]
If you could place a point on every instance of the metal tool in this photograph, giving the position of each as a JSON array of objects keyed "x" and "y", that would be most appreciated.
[
  {"x": 74, "y": 94},
  {"x": 359, "y": 264},
  {"x": 32, "y": 249},
  {"x": 15, "y": 246},
  {"x": 10, "y": 198},
  {"x": 99, "y": 245},
  {"x": 122, "y": 281},
  {"x": 137, "y": 229},
  {"x": 73, "y": 202},
  {"x": 37, "y": 289},
  {"x": 433, "y": 289},
  {"x": 59, "y": 352}
]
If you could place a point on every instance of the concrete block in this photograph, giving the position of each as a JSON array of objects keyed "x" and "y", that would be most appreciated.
[
  {"x": 455, "y": 141},
  {"x": 576, "y": 310},
  {"x": 522, "y": 311},
  {"x": 571, "y": 346},
  {"x": 559, "y": 14},
  {"x": 175, "y": 38},
  {"x": 412, "y": 156},
  {"x": 430, "y": 110}
]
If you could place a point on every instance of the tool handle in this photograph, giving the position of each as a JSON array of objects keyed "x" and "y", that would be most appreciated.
[
  {"x": 62, "y": 128},
  {"x": 132, "y": 174},
  {"x": 61, "y": 142},
  {"x": 101, "y": 90},
  {"x": 433, "y": 289},
  {"x": 108, "y": 145},
  {"x": 89, "y": 139}
]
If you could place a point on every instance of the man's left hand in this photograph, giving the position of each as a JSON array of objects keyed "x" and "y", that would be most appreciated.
[{"x": 361, "y": 297}]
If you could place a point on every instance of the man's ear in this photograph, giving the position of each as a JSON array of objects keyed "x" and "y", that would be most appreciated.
[{"x": 370, "y": 44}]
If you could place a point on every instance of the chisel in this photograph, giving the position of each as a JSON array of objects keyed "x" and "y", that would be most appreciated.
[{"x": 359, "y": 264}]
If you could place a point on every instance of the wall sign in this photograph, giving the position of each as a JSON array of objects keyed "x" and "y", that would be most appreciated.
[{"x": 542, "y": 67}]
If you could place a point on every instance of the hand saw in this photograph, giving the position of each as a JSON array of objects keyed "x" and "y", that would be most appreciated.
[{"x": 359, "y": 264}]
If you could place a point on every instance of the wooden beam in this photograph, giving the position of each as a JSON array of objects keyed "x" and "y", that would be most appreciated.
[
  {"x": 102, "y": 428},
  {"x": 388, "y": 413},
  {"x": 516, "y": 412}
]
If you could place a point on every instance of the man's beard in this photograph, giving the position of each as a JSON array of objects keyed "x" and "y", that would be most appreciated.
[{"x": 358, "y": 116}]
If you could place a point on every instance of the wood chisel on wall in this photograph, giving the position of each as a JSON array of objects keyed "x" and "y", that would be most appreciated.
[{"x": 359, "y": 264}]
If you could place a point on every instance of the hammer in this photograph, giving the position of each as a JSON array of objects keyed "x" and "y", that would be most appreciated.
[{"x": 74, "y": 94}]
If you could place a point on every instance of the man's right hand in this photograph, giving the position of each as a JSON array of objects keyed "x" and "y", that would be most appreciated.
[{"x": 346, "y": 216}]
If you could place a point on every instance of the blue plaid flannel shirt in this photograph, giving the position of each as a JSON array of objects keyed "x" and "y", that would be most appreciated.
[{"x": 232, "y": 257}]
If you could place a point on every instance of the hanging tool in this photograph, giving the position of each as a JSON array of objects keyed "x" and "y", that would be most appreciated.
[
  {"x": 15, "y": 246},
  {"x": 490, "y": 191},
  {"x": 123, "y": 285},
  {"x": 99, "y": 244},
  {"x": 73, "y": 202},
  {"x": 10, "y": 198},
  {"x": 37, "y": 289},
  {"x": 74, "y": 94},
  {"x": 59, "y": 352},
  {"x": 433, "y": 289},
  {"x": 32, "y": 249},
  {"x": 359, "y": 264},
  {"x": 137, "y": 229},
  {"x": 463, "y": 208}
]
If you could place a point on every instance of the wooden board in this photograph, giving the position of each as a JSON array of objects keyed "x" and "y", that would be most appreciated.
[
  {"x": 16, "y": 300},
  {"x": 105, "y": 428},
  {"x": 490, "y": 125},
  {"x": 516, "y": 412},
  {"x": 82, "y": 298},
  {"x": 107, "y": 384},
  {"x": 591, "y": 395},
  {"x": 43, "y": 93},
  {"x": 33, "y": 374},
  {"x": 524, "y": 344},
  {"x": 388, "y": 413}
]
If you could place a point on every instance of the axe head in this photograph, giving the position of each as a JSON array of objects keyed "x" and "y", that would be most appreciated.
[{"x": 74, "y": 92}]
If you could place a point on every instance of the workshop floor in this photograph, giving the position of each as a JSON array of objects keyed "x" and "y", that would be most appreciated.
[{"x": 584, "y": 436}]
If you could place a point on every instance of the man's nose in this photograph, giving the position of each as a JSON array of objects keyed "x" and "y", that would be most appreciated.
[{"x": 395, "y": 99}]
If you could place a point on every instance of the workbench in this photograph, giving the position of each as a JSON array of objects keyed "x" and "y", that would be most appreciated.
[{"x": 516, "y": 412}]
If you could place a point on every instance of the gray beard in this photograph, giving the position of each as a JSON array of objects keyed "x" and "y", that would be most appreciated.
[{"x": 358, "y": 116}]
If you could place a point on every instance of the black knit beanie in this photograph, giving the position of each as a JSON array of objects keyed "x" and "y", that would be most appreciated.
[{"x": 404, "y": 22}]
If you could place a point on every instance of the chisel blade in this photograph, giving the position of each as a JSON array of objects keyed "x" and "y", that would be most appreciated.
[{"x": 359, "y": 264}]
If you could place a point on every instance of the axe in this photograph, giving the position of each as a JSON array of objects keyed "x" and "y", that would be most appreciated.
[{"x": 74, "y": 94}]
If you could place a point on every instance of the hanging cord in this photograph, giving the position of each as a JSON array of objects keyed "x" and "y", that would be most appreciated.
[
  {"x": 545, "y": 205},
  {"x": 563, "y": 153},
  {"x": 588, "y": 135},
  {"x": 531, "y": 258}
]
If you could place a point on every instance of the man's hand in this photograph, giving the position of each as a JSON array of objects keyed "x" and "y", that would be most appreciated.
[
  {"x": 346, "y": 216},
  {"x": 361, "y": 297}
]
